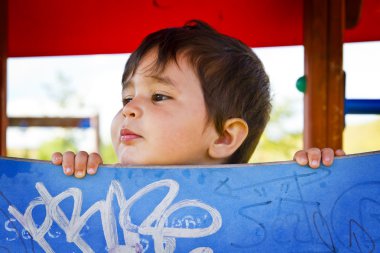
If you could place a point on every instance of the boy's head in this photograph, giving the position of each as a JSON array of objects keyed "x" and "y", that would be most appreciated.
[{"x": 232, "y": 90}]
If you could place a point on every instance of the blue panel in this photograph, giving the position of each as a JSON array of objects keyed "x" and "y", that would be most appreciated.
[
  {"x": 85, "y": 123},
  {"x": 278, "y": 207}
]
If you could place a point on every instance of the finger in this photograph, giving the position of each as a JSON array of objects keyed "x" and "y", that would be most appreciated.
[
  {"x": 68, "y": 163},
  {"x": 300, "y": 157},
  {"x": 314, "y": 157},
  {"x": 94, "y": 160},
  {"x": 81, "y": 164},
  {"x": 56, "y": 158},
  {"x": 327, "y": 156},
  {"x": 340, "y": 152}
]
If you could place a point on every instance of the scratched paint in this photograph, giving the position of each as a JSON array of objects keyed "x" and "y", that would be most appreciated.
[
  {"x": 159, "y": 233},
  {"x": 252, "y": 208}
]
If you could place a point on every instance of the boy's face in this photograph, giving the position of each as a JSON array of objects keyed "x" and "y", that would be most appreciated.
[{"x": 164, "y": 118}]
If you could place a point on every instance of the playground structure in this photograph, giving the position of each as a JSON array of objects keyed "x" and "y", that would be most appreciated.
[
  {"x": 43, "y": 28},
  {"x": 67, "y": 122}
]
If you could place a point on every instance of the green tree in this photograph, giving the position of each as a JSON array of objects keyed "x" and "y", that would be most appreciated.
[
  {"x": 284, "y": 143},
  {"x": 108, "y": 154},
  {"x": 44, "y": 152}
]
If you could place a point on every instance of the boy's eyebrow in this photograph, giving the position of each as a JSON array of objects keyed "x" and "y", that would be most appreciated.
[
  {"x": 127, "y": 84},
  {"x": 161, "y": 79},
  {"x": 164, "y": 80}
]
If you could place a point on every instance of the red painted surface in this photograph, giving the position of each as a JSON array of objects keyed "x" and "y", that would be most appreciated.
[{"x": 71, "y": 27}]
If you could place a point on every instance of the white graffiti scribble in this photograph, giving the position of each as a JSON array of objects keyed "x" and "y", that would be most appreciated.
[{"x": 164, "y": 237}]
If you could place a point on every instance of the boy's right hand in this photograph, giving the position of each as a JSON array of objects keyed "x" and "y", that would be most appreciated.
[{"x": 77, "y": 164}]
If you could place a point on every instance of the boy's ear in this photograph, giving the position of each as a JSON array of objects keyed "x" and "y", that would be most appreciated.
[{"x": 234, "y": 133}]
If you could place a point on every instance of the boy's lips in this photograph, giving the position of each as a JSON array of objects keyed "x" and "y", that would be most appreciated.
[{"x": 127, "y": 135}]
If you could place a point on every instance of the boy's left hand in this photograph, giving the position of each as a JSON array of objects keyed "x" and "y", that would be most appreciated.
[{"x": 314, "y": 156}]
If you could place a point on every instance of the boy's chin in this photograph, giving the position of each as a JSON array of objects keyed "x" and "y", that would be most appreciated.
[
  {"x": 125, "y": 161},
  {"x": 128, "y": 160}
]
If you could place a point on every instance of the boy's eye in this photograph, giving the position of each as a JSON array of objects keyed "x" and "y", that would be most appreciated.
[
  {"x": 126, "y": 101},
  {"x": 159, "y": 97}
]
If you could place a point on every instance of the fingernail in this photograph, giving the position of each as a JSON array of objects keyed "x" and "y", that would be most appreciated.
[
  {"x": 314, "y": 163},
  {"x": 91, "y": 171},
  {"x": 68, "y": 170},
  {"x": 327, "y": 159},
  {"x": 79, "y": 174}
]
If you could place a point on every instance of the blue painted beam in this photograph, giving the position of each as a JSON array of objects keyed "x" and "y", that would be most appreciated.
[
  {"x": 362, "y": 106},
  {"x": 274, "y": 207}
]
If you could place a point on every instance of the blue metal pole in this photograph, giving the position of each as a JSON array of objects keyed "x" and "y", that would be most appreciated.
[{"x": 362, "y": 106}]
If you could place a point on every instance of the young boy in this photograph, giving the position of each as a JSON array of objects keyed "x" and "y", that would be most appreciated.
[{"x": 190, "y": 95}]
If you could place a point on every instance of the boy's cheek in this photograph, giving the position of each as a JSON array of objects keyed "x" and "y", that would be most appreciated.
[{"x": 115, "y": 127}]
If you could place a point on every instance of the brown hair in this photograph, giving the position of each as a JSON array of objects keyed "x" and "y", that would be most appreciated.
[{"x": 233, "y": 79}]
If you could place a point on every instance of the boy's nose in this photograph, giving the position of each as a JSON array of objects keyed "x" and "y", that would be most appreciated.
[{"x": 131, "y": 110}]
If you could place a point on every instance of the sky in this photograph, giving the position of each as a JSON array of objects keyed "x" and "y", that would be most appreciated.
[{"x": 92, "y": 85}]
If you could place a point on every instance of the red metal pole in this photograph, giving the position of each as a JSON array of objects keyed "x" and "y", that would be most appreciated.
[{"x": 3, "y": 74}]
